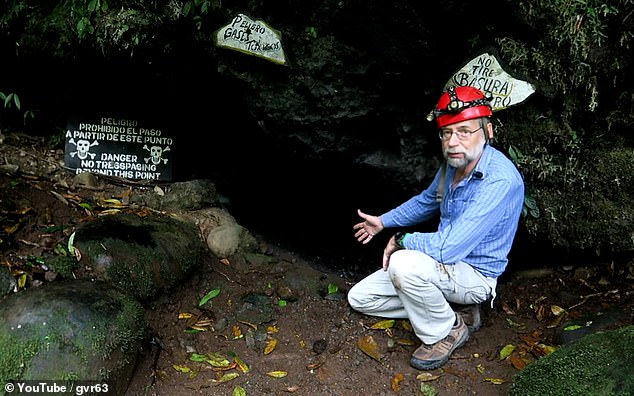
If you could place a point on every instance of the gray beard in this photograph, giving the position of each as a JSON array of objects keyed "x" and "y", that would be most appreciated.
[{"x": 458, "y": 162}]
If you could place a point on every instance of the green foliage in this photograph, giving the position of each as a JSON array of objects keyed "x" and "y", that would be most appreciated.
[
  {"x": 530, "y": 204},
  {"x": 109, "y": 26},
  {"x": 576, "y": 41},
  {"x": 12, "y": 102},
  {"x": 574, "y": 154},
  {"x": 581, "y": 191},
  {"x": 597, "y": 364}
]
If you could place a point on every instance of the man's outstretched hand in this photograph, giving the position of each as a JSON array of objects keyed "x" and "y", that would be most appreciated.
[{"x": 368, "y": 228}]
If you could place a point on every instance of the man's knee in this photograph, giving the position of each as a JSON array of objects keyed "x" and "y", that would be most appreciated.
[
  {"x": 355, "y": 298},
  {"x": 407, "y": 263}
]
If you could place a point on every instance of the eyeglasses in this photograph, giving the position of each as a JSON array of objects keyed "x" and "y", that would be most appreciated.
[{"x": 445, "y": 134}]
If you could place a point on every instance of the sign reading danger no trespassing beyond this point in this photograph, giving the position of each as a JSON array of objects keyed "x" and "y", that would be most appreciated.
[{"x": 119, "y": 147}]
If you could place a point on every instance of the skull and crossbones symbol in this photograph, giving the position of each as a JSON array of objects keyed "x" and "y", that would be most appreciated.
[
  {"x": 156, "y": 153},
  {"x": 83, "y": 148}
]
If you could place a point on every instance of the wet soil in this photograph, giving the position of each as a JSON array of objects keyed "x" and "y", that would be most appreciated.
[{"x": 282, "y": 322}]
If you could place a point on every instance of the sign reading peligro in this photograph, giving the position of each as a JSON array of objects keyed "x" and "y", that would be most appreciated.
[
  {"x": 118, "y": 147},
  {"x": 252, "y": 37},
  {"x": 485, "y": 73}
]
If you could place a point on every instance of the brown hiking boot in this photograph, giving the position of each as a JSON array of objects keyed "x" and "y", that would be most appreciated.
[
  {"x": 471, "y": 316},
  {"x": 429, "y": 357}
]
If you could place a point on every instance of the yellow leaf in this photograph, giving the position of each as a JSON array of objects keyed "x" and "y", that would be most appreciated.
[
  {"x": 557, "y": 310},
  {"x": 182, "y": 369},
  {"x": 277, "y": 374},
  {"x": 396, "y": 382},
  {"x": 237, "y": 332},
  {"x": 185, "y": 315},
  {"x": 506, "y": 351},
  {"x": 270, "y": 346},
  {"x": 239, "y": 391},
  {"x": 22, "y": 281},
  {"x": 227, "y": 377},
  {"x": 543, "y": 349},
  {"x": 427, "y": 376},
  {"x": 369, "y": 347},
  {"x": 241, "y": 364},
  {"x": 215, "y": 359},
  {"x": 496, "y": 381},
  {"x": 109, "y": 212},
  {"x": 480, "y": 368},
  {"x": 384, "y": 324}
]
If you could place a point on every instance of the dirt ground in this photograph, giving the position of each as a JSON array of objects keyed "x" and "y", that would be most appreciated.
[{"x": 280, "y": 325}]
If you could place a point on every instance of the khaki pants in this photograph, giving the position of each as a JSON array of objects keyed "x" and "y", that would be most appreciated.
[{"x": 418, "y": 288}]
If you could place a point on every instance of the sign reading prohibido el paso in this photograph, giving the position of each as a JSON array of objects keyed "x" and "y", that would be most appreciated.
[{"x": 118, "y": 147}]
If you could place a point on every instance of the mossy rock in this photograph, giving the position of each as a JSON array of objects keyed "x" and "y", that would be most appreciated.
[
  {"x": 143, "y": 255},
  {"x": 71, "y": 330},
  {"x": 601, "y": 363}
]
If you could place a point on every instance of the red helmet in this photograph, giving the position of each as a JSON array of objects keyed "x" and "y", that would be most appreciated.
[{"x": 460, "y": 104}]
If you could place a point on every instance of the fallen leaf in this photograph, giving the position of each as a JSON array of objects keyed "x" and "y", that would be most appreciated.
[
  {"x": 506, "y": 351},
  {"x": 369, "y": 347},
  {"x": 292, "y": 389},
  {"x": 515, "y": 324},
  {"x": 181, "y": 368},
  {"x": 507, "y": 309},
  {"x": 208, "y": 296},
  {"x": 215, "y": 359},
  {"x": 242, "y": 364},
  {"x": 314, "y": 365},
  {"x": 572, "y": 327},
  {"x": 395, "y": 383},
  {"x": 270, "y": 346},
  {"x": 557, "y": 310},
  {"x": 237, "y": 332},
  {"x": 384, "y": 324},
  {"x": 22, "y": 281},
  {"x": 231, "y": 366},
  {"x": 496, "y": 381},
  {"x": 427, "y": 390},
  {"x": 184, "y": 369},
  {"x": 427, "y": 376},
  {"x": 239, "y": 391},
  {"x": 227, "y": 377},
  {"x": 277, "y": 374},
  {"x": 543, "y": 349},
  {"x": 517, "y": 362}
]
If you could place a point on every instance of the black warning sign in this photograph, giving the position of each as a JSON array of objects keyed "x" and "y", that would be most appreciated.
[{"x": 119, "y": 147}]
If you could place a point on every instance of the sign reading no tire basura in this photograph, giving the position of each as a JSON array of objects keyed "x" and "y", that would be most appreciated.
[{"x": 123, "y": 148}]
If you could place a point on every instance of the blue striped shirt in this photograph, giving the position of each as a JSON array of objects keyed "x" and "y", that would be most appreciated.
[{"x": 478, "y": 218}]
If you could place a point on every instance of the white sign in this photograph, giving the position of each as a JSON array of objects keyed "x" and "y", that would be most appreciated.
[
  {"x": 485, "y": 73},
  {"x": 253, "y": 38}
]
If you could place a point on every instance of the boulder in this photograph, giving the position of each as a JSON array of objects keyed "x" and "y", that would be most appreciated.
[{"x": 71, "y": 330}]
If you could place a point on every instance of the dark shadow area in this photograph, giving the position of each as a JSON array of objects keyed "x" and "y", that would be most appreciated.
[{"x": 287, "y": 199}]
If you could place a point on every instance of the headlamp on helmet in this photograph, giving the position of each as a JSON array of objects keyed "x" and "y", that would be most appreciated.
[{"x": 460, "y": 104}]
